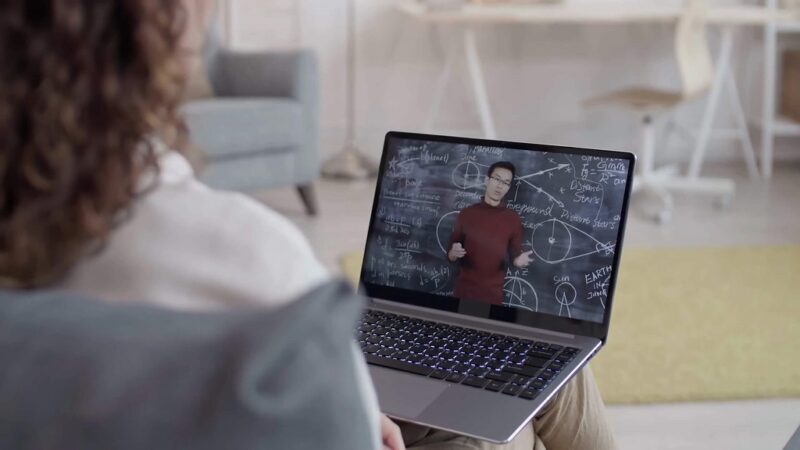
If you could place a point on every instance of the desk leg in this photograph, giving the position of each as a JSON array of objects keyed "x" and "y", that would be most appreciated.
[
  {"x": 741, "y": 126},
  {"x": 478, "y": 84},
  {"x": 440, "y": 86},
  {"x": 720, "y": 73},
  {"x": 768, "y": 112}
]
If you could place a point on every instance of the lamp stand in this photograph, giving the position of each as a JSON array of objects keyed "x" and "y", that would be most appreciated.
[{"x": 350, "y": 163}]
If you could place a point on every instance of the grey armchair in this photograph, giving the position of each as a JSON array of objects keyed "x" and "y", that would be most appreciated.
[{"x": 260, "y": 130}]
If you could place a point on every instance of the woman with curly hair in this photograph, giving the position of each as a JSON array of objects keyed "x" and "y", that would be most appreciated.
[{"x": 98, "y": 200}]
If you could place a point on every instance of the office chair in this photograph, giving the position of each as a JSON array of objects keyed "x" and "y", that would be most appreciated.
[{"x": 696, "y": 74}]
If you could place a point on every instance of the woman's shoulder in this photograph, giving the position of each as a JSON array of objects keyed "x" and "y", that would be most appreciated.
[{"x": 187, "y": 244}]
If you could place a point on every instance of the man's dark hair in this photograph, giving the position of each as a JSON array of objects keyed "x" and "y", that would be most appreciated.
[{"x": 502, "y": 165}]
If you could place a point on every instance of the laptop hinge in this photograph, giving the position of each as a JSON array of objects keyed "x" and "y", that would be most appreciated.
[{"x": 461, "y": 319}]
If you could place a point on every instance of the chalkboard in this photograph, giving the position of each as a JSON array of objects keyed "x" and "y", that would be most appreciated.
[{"x": 569, "y": 205}]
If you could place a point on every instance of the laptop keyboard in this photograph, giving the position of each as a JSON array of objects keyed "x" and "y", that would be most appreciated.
[{"x": 494, "y": 362}]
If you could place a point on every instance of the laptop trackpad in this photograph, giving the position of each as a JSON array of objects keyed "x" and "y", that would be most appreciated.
[{"x": 404, "y": 395}]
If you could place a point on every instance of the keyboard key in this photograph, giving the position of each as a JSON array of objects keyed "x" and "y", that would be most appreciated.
[
  {"x": 475, "y": 382},
  {"x": 415, "y": 359},
  {"x": 478, "y": 371},
  {"x": 535, "y": 362},
  {"x": 456, "y": 377},
  {"x": 439, "y": 374},
  {"x": 386, "y": 352},
  {"x": 570, "y": 351},
  {"x": 539, "y": 354},
  {"x": 398, "y": 365},
  {"x": 480, "y": 362},
  {"x": 496, "y": 365},
  {"x": 462, "y": 368},
  {"x": 528, "y": 394},
  {"x": 495, "y": 386},
  {"x": 500, "y": 376},
  {"x": 521, "y": 380},
  {"x": 512, "y": 389},
  {"x": 447, "y": 365},
  {"x": 462, "y": 358},
  {"x": 527, "y": 371}
]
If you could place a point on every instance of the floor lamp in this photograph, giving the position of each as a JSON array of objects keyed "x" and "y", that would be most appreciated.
[{"x": 350, "y": 163}]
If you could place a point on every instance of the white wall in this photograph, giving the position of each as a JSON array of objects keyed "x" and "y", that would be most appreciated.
[{"x": 537, "y": 76}]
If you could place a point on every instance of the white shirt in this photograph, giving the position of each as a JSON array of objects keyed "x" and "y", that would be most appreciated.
[{"x": 187, "y": 246}]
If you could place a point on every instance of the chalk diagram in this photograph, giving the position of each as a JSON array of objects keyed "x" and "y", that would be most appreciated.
[
  {"x": 400, "y": 168},
  {"x": 445, "y": 225},
  {"x": 520, "y": 180},
  {"x": 565, "y": 296},
  {"x": 468, "y": 175},
  {"x": 520, "y": 293},
  {"x": 553, "y": 242}
]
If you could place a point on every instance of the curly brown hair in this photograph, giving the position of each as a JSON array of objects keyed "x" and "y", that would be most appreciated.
[{"x": 87, "y": 88}]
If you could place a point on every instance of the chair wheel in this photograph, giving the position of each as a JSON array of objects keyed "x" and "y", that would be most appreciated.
[
  {"x": 723, "y": 201},
  {"x": 663, "y": 216}
]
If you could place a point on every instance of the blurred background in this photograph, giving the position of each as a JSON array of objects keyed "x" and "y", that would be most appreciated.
[{"x": 703, "y": 350}]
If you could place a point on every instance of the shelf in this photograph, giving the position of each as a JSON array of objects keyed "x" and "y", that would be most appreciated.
[
  {"x": 780, "y": 127},
  {"x": 785, "y": 127},
  {"x": 788, "y": 27}
]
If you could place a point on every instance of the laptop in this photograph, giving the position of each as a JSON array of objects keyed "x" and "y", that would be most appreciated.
[{"x": 489, "y": 269}]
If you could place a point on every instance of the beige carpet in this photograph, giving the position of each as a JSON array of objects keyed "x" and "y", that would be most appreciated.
[{"x": 699, "y": 324}]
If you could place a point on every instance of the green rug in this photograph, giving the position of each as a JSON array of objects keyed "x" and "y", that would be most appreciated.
[{"x": 699, "y": 324}]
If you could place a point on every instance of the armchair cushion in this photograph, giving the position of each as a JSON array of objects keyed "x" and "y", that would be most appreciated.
[
  {"x": 290, "y": 73},
  {"x": 231, "y": 126},
  {"x": 81, "y": 374}
]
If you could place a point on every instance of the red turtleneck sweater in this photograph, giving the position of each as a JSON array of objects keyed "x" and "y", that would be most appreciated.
[{"x": 488, "y": 234}]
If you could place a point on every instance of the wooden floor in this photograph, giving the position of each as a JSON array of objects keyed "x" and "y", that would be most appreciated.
[{"x": 762, "y": 213}]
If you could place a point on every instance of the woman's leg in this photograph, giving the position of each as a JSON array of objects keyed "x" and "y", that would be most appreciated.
[
  {"x": 576, "y": 418},
  {"x": 418, "y": 437}
]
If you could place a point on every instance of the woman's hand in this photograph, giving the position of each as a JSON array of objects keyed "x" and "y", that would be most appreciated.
[{"x": 390, "y": 434}]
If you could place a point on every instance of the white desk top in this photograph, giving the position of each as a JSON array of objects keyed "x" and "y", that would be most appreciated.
[{"x": 588, "y": 14}]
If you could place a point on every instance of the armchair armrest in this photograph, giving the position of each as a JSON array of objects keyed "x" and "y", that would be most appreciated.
[{"x": 291, "y": 74}]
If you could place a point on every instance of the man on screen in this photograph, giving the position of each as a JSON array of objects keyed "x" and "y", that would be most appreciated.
[{"x": 484, "y": 236}]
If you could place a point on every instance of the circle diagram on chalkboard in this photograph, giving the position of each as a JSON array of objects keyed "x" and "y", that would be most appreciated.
[
  {"x": 520, "y": 293},
  {"x": 468, "y": 175},
  {"x": 444, "y": 228},
  {"x": 565, "y": 296},
  {"x": 555, "y": 241}
]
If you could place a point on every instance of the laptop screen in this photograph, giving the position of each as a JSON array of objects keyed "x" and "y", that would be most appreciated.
[{"x": 516, "y": 227}]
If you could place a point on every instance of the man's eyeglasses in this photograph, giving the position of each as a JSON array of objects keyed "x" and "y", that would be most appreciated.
[{"x": 501, "y": 181}]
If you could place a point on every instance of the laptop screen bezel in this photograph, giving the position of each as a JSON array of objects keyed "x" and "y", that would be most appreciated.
[{"x": 497, "y": 312}]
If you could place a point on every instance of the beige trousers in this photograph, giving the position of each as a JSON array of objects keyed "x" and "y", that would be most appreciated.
[{"x": 575, "y": 419}]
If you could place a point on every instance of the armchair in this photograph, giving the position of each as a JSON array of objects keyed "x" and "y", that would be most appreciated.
[{"x": 260, "y": 129}]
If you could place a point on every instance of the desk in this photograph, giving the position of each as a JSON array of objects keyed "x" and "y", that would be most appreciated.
[
  {"x": 586, "y": 14},
  {"x": 725, "y": 17}
]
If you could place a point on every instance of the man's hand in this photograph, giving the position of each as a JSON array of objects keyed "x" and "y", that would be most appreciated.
[
  {"x": 390, "y": 434},
  {"x": 524, "y": 259},
  {"x": 456, "y": 252}
]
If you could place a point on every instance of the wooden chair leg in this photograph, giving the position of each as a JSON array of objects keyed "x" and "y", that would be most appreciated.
[{"x": 306, "y": 192}]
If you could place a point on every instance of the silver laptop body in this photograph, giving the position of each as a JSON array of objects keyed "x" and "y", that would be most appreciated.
[{"x": 571, "y": 205}]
